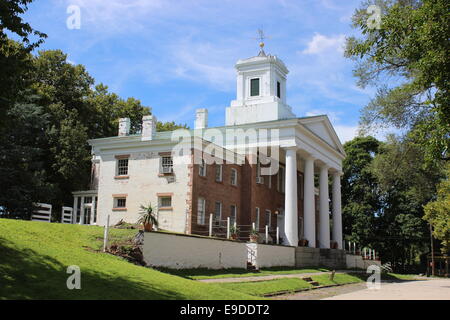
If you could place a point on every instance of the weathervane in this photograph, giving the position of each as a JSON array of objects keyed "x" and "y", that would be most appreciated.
[{"x": 261, "y": 38}]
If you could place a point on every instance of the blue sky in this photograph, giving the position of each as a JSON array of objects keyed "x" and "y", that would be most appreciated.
[{"x": 176, "y": 56}]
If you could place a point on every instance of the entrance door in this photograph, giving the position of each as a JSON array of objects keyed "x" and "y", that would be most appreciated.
[{"x": 87, "y": 213}]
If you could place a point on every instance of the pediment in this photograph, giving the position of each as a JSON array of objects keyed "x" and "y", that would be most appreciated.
[{"x": 322, "y": 128}]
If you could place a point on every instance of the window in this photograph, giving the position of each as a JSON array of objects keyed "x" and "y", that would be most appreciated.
[
  {"x": 257, "y": 219},
  {"x": 122, "y": 167},
  {"x": 218, "y": 172},
  {"x": 165, "y": 202},
  {"x": 233, "y": 214},
  {"x": 202, "y": 169},
  {"x": 201, "y": 211},
  {"x": 281, "y": 177},
  {"x": 218, "y": 213},
  {"x": 234, "y": 177},
  {"x": 120, "y": 203},
  {"x": 254, "y": 87},
  {"x": 166, "y": 165},
  {"x": 278, "y": 89},
  {"x": 268, "y": 216}
]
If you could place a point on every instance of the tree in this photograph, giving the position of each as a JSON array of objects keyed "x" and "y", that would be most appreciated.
[
  {"x": 410, "y": 50},
  {"x": 10, "y": 18},
  {"x": 360, "y": 199},
  {"x": 170, "y": 126},
  {"x": 406, "y": 182},
  {"x": 22, "y": 171},
  {"x": 437, "y": 212},
  {"x": 14, "y": 56}
]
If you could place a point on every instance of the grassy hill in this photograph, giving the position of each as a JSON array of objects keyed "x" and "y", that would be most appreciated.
[{"x": 34, "y": 257}]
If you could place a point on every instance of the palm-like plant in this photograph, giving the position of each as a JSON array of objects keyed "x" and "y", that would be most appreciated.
[{"x": 148, "y": 218}]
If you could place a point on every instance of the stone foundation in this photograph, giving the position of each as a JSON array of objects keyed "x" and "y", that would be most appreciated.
[{"x": 314, "y": 257}]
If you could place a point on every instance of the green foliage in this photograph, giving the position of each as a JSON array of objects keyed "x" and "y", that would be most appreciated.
[
  {"x": 234, "y": 230},
  {"x": 360, "y": 200},
  {"x": 385, "y": 186},
  {"x": 147, "y": 215},
  {"x": 35, "y": 257},
  {"x": 170, "y": 126},
  {"x": 437, "y": 212},
  {"x": 11, "y": 20},
  {"x": 411, "y": 51}
]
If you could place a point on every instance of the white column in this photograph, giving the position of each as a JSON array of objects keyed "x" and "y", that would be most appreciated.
[
  {"x": 324, "y": 225},
  {"x": 290, "y": 201},
  {"x": 82, "y": 210},
  {"x": 93, "y": 210},
  {"x": 74, "y": 209},
  {"x": 337, "y": 215},
  {"x": 309, "y": 213}
]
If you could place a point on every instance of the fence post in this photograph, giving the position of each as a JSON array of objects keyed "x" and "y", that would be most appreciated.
[
  {"x": 267, "y": 234},
  {"x": 278, "y": 235},
  {"x": 105, "y": 236},
  {"x": 354, "y": 248},
  {"x": 228, "y": 228},
  {"x": 210, "y": 224}
]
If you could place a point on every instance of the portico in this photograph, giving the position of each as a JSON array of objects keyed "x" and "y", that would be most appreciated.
[{"x": 311, "y": 164}]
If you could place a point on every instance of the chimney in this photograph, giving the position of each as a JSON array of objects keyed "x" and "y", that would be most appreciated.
[
  {"x": 201, "y": 119},
  {"x": 124, "y": 127},
  {"x": 148, "y": 127}
]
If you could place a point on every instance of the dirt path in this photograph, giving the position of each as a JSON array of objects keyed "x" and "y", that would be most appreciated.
[
  {"x": 318, "y": 294},
  {"x": 265, "y": 278}
]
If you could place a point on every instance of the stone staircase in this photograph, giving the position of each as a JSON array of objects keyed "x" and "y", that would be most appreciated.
[{"x": 310, "y": 281}]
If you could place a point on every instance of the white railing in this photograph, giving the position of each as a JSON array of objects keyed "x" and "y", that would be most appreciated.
[
  {"x": 43, "y": 212},
  {"x": 66, "y": 215}
]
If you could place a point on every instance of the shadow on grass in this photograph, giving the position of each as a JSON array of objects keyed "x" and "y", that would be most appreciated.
[
  {"x": 26, "y": 274},
  {"x": 204, "y": 272}
]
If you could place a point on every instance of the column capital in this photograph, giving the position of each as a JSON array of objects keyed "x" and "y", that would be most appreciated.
[
  {"x": 338, "y": 174},
  {"x": 291, "y": 148}
]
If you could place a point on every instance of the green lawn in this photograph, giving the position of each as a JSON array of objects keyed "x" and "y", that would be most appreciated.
[
  {"x": 198, "y": 274},
  {"x": 260, "y": 288},
  {"x": 34, "y": 257}
]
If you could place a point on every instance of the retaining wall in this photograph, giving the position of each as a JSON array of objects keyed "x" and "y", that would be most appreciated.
[{"x": 185, "y": 252}]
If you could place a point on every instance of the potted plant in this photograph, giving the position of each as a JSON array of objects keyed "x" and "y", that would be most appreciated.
[
  {"x": 148, "y": 218},
  {"x": 303, "y": 243},
  {"x": 234, "y": 232},
  {"x": 254, "y": 235}
]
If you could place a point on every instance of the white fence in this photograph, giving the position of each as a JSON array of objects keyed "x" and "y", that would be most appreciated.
[
  {"x": 43, "y": 212},
  {"x": 66, "y": 215}
]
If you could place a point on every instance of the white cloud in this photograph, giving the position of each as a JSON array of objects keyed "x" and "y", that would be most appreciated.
[
  {"x": 346, "y": 133},
  {"x": 320, "y": 43},
  {"x": 332, "y": 115},
  {"x": 204, "y": 62}
]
